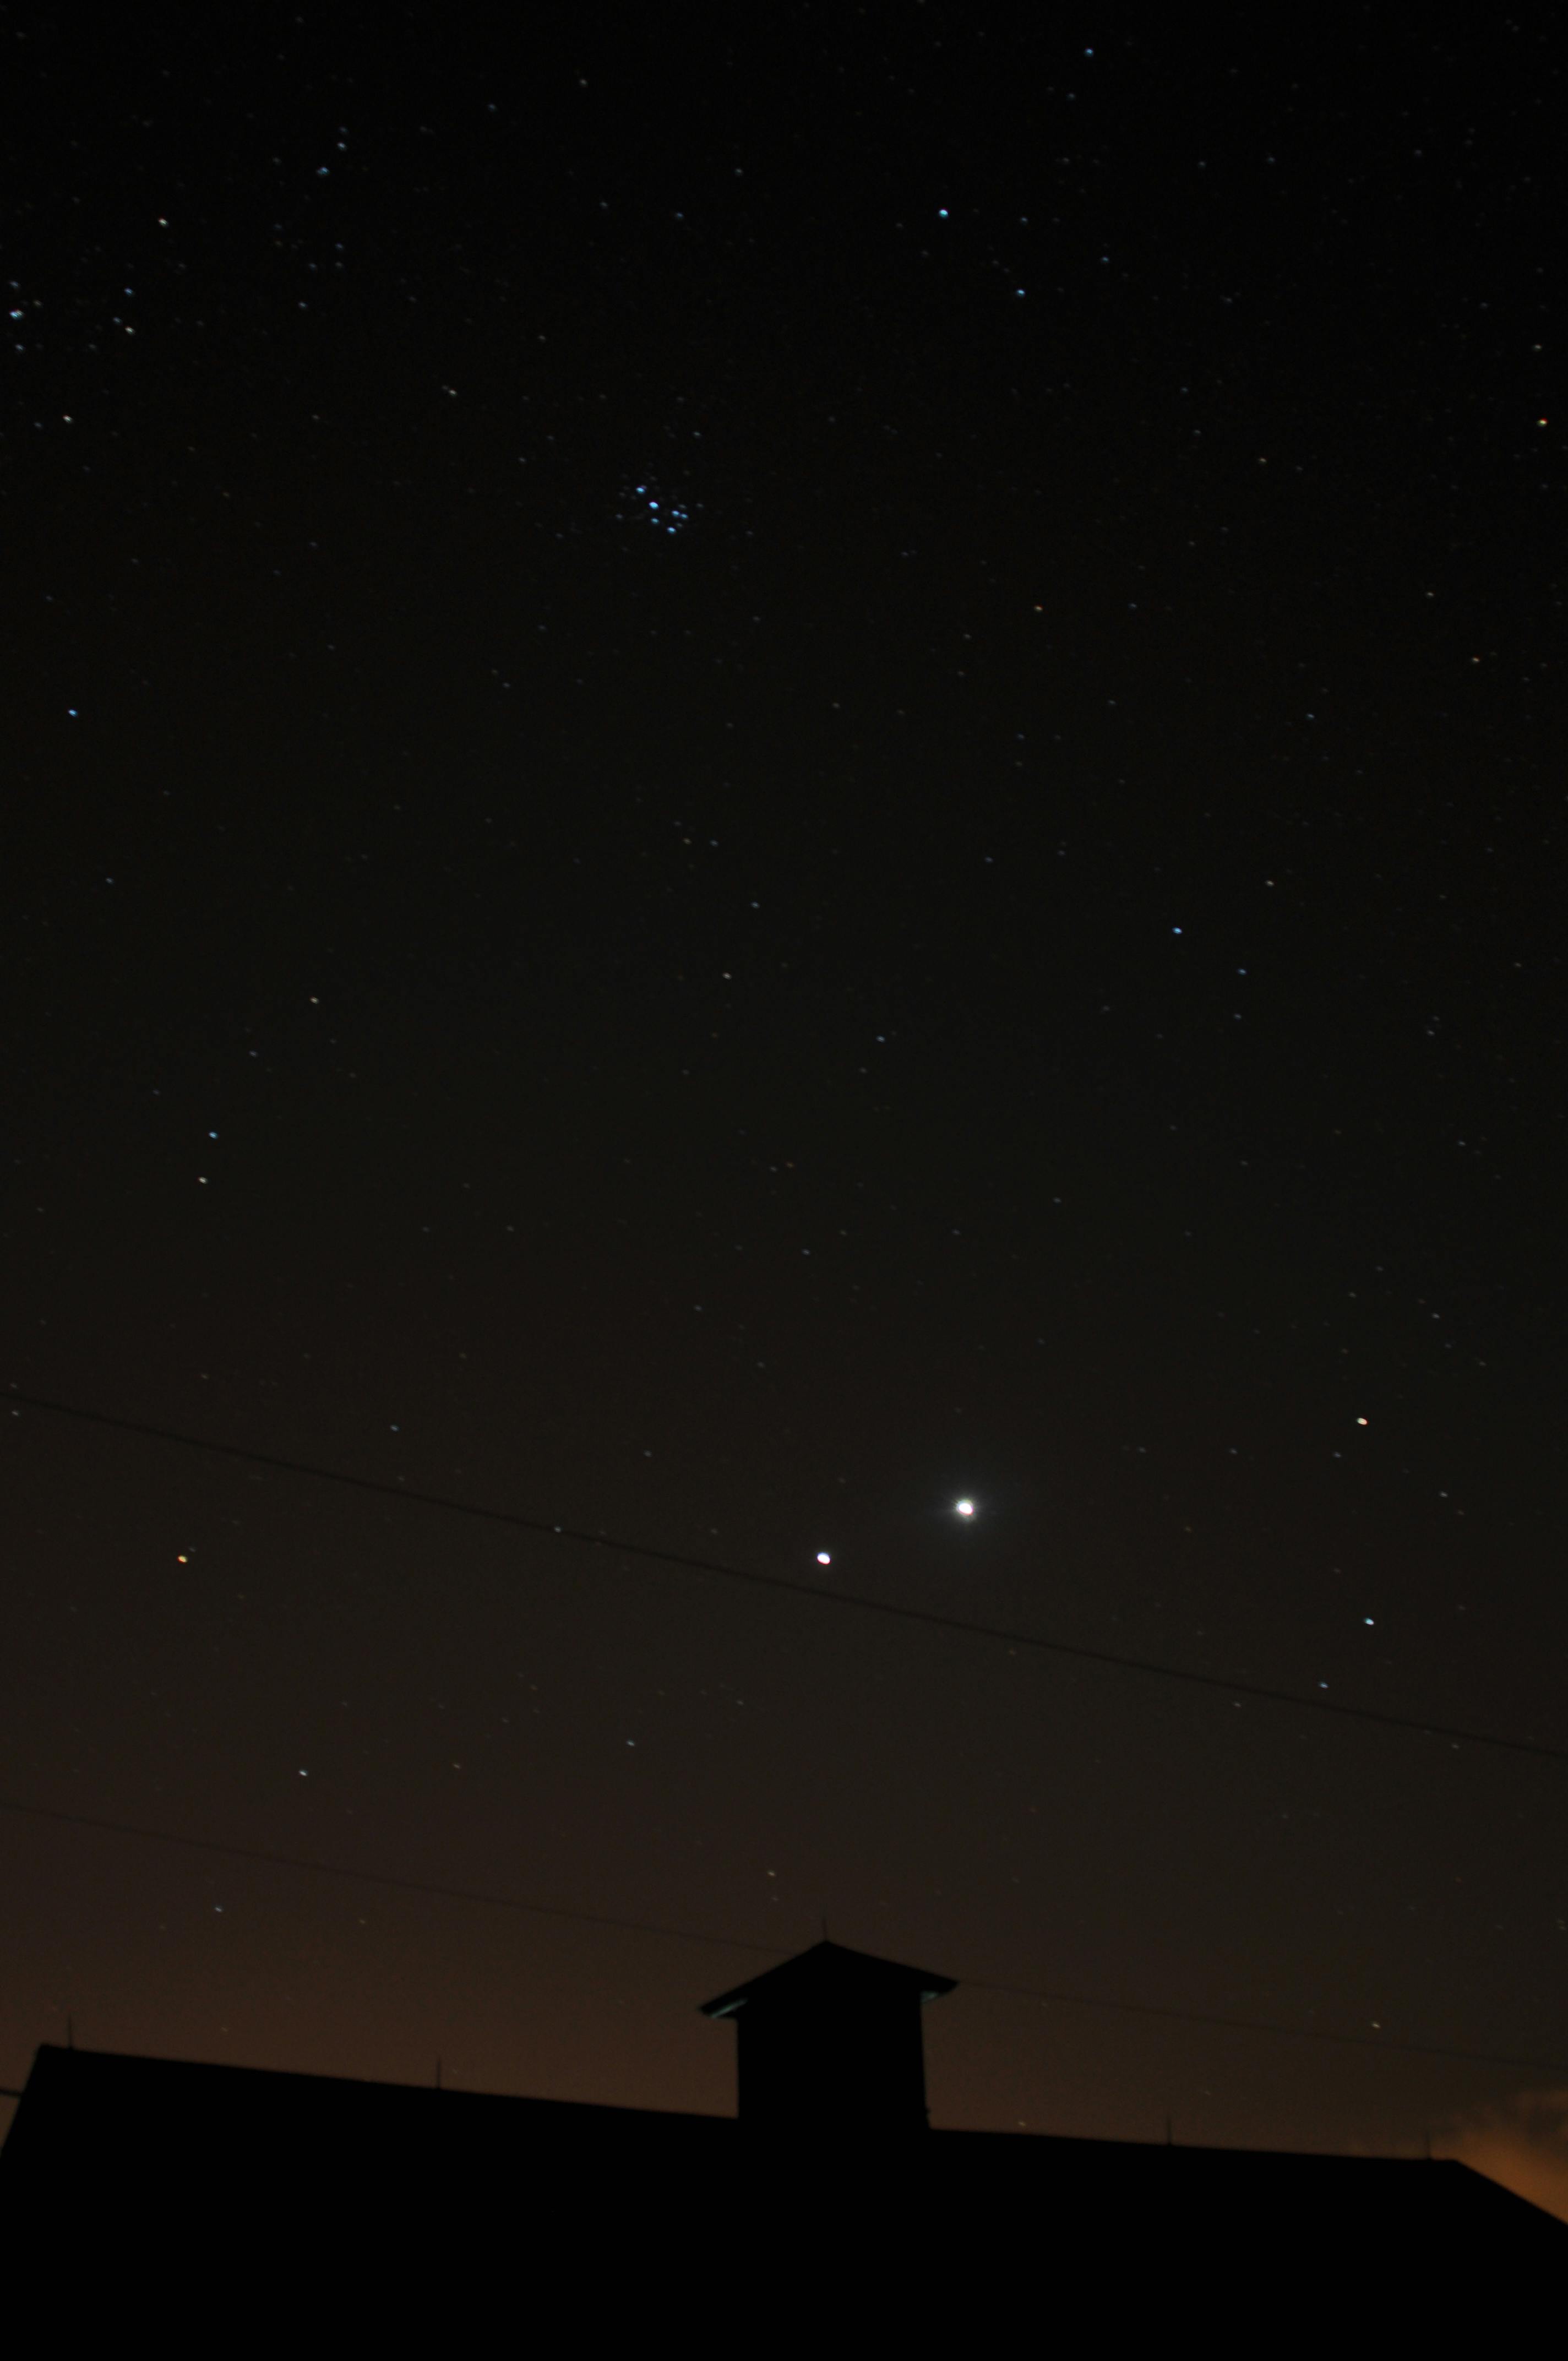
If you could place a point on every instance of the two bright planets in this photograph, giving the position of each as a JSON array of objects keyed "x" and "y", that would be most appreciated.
[{"x": 960, "y": 1508}]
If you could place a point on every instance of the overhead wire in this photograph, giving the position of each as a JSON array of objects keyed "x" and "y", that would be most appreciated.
[
  {"x": 1455, "y": 1734},
  {"x": 264, "y": 1857}
]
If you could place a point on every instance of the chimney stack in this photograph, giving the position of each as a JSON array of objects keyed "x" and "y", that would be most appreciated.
[{"x": 829, "y": 2043}]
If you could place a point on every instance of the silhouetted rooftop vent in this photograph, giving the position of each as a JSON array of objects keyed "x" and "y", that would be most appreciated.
[{"x": 831, "y": 2041}]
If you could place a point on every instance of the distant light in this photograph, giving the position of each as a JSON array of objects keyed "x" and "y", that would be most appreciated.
[
  {"x": 824, "y": 1557},
  {"x": 1361, "y": 1422},
  {"x": 963, "y": 1508}
]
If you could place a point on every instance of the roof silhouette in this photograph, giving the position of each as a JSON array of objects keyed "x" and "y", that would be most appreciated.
[
  {"x": 232, "y": 2179},
  {"x": 830, "y": 1973}
]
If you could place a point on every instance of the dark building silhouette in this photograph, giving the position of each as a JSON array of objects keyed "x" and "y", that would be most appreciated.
[
  {"x": 827, "y": 2198},
  {"x": 830, "y": 2042}
]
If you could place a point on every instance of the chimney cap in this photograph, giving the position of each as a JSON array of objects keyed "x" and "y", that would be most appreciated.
[{"x": 831, "y": 1972}]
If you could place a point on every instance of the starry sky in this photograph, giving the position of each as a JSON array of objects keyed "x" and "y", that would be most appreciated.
[{"x": 763, "y": 770}]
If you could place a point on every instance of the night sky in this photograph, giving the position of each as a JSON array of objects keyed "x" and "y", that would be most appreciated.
[{"x": 764, "y": 768}]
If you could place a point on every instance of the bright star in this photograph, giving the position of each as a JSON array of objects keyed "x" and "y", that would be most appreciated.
[
  {"x": 824, "y": 1557},
  {"x": 963, "y": 1508}
]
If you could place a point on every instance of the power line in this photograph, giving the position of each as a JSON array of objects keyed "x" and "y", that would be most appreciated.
[
  {"x": 258, "y": 1854},
  {"x": 790, "y": 1584},
  {"x": 1259, "y": 2024}
]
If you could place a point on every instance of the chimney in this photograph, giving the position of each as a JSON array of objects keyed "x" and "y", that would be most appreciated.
[{"x": 830, "y": 2042}]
